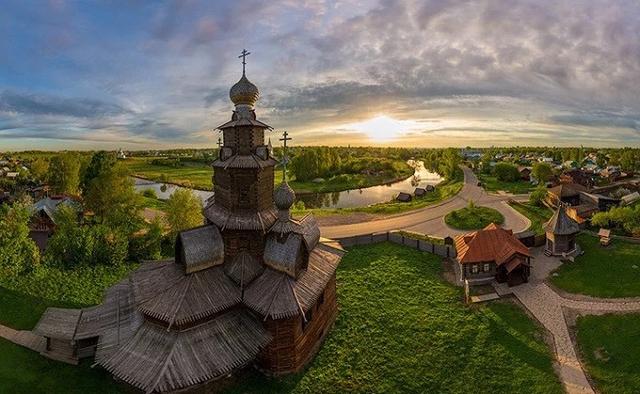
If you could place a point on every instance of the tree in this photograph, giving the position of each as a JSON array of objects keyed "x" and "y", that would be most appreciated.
[
  {"x": 64, "y": 173},
  {"x": 40, "y": 169},
  {"x": 537, "y": 196},
  {"x": 184, "y": 211},
  {"x": 506, "y": 172},
  {"x": 148, "y": 245},
  {"x": 542, "y": 172},
  {"x": 114, "y": 201},
  {"x": 101, "y": 163},
  {"x": 18, "y": 252}
]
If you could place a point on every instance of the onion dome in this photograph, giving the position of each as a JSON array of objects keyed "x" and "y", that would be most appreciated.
[
  {"x": 284, "y": 196},
  {"x": 244, "y": 92}
]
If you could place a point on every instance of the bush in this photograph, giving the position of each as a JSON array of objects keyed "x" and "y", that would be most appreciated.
[
  {"x": 537, "y": 196},
  {"x": 506, "y": 172},
  {"x": 149, "y": 193},
  {"x": 18, "y": 252}
]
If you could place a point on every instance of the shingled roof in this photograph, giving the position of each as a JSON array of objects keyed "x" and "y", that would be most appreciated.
[
  {"x": 199, "y": 248},
  {"x": 492, "y": 243},
  {"x": 561, "y": 224},
  {"x": 567, "y": 190}
]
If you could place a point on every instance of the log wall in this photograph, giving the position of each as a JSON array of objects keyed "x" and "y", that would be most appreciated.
[{"x": 295, "y": 343}]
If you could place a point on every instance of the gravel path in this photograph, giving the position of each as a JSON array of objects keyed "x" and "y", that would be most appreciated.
[{"x": 549, "y": 307}]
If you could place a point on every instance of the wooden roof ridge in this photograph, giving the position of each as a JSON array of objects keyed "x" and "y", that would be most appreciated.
[
  {"x": 273, "y": 296},
  {"x": 291, "y": 283},
  {"x": 186, "y": 288},
  {"x": 231, "y": 160},
  {"x": 164, "y": 366},
  {"x": 257, "y": 160}
]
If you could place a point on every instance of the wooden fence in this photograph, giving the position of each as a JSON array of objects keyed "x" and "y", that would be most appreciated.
[{"x": 400, "y": 239}]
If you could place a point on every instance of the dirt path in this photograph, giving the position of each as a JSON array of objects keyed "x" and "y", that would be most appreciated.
[{"x": 550, "y": 309}]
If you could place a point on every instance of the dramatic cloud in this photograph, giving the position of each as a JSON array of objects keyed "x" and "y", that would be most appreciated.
[{"x": 484, "y": 72}]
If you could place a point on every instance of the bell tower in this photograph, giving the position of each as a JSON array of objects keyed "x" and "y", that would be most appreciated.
[{"x": 243, "y": 178}]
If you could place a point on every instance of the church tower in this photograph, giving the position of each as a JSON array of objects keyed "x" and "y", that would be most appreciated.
[{"x": 243, "y": 177}]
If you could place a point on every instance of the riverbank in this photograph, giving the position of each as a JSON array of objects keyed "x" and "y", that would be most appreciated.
[
  {"x": 338, "y": 216},
  {"x": 199, "y": 176}
]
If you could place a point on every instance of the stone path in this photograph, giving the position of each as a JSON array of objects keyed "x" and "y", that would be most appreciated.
[
  {"x": 548, "y": 307},
  {"x": 23, "y": 338}
]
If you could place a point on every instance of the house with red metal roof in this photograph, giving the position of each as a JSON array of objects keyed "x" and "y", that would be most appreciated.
[{"x": 492, "y": 253}]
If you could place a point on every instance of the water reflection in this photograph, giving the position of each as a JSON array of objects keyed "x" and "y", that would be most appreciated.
[
  {"x": 372, "y": 195},
  {"x": 346, "y": 199}
]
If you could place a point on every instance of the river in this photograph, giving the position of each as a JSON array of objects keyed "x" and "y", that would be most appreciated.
[{"x": 345, "y": 199}]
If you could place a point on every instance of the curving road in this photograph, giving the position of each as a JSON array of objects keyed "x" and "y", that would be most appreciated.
[{"x": 430, "y": 220}]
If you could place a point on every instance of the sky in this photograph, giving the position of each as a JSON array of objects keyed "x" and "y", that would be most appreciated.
[{"x": 428, "y": 73}]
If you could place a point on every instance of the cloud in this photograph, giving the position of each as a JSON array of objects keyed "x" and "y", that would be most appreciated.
[{"x": 32, "y": 104}]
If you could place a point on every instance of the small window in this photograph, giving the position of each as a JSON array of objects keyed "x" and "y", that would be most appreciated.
[
  {"x": 321, "y": 299},
  {"x": 309, "y": 316},
  {"x": 486, "y": 267},
  {"x": 474, "y": 269}
]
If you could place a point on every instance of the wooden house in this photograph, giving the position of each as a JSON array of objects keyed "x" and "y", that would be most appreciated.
[
  {"x": 525, "y": 173},
  {"x": 492, "y": 253},
  {"x": 568, "y": 193},
  {"x": 579, "y": 177},
  {"x": 252, "y": 286},
  {"x": 403, "y": 197}
]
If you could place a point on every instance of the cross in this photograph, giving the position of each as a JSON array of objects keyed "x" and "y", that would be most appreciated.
[
  {"x": 244, "y": 55},
  {"x": 219, "y": 142},
  {"x": 284, "y": 139}
]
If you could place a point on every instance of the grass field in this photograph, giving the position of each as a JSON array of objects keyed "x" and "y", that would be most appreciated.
[
  {"x": 199, "y": 176},
  {"x": 473, "y": 218},
  {"x": 23, "y": 371},
  {"x": 609, "y": 345},
  {"x": 401, "y": 328},
  {"x": 492, "y": 184},
  {"x": 602, "y": 272},
  {"x": 538, "y": 215}
]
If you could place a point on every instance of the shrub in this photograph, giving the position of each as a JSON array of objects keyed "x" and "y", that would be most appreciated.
[
  {"x": 149, "y": 193},
  {"x": 506, "y": 172}
]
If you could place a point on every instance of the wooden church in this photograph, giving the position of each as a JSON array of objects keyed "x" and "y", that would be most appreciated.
[{"x": 252, "y": 286}]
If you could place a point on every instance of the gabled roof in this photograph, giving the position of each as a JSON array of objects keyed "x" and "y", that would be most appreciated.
[
  {"x": 58, "y": 323},
  {"x": 561, "y": 224},
  {"x": 199, "y": 248},
  {"x": 243, "y": 268},
  {"x": 492, "y": 243},
  {"x": 567, "y": 189}
]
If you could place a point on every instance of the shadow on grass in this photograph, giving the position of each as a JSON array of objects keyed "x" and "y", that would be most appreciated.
[{"x": 22, "y": 311}]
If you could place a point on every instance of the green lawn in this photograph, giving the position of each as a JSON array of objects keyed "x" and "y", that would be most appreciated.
[
  {"x": 401, "y": 328},
  {"x": 492, "y": 184},
  {"x": 538, "y": 215},
  {"x": 609, "y": 346},
  {"x": 199, "y": 176},
  {"x": 25, "y": 371},
  {"x": 602, "y": 272},
  {"x": 473, "y": 218}
]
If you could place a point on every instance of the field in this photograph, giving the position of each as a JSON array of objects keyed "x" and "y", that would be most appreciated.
[
  {"x": 401, "y": 328},
  {"x": 608, "y": 345},
  {"x": 492, "y": 184},
  {"x": 199, "y": 175},
  {"x": 473, "y": 218},
  {"x": 602, "y": 272},
  {"x": 538, "y": 215}
]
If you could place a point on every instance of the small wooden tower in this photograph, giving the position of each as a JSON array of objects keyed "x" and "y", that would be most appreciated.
[{"x": 561, "y": 233}]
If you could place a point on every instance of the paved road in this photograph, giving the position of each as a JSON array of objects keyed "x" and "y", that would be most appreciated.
[{"x": 430, "y": 220}]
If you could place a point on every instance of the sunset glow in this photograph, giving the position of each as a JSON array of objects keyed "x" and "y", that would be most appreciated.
[{"x": 383, "y": 128}]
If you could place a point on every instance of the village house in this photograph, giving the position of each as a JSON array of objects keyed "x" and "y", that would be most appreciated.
[
  {"x": 568, "y": 193},
  {"x": 580, "y": 177},
  {"x": 43, "y": 225},
  {"x": 525, "y": 173},
  {"x": 492, "y": 253}
]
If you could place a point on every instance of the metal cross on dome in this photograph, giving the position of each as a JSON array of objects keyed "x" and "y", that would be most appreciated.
[
  {"x": 244, "y": 55},
  {"x": 285, "y": 158}
]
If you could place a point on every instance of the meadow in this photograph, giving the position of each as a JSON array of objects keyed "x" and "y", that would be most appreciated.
[
  {"x": 537, "y": 215},
  {"x": 609, "y": 272},
  {"x": 473, "y": 218}
]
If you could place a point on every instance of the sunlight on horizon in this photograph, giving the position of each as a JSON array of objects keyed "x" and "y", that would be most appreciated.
[{"x": 382, "y": 127}]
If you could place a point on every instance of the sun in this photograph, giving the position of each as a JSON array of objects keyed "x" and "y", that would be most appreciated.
[{"x": 382, "y": 127}]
